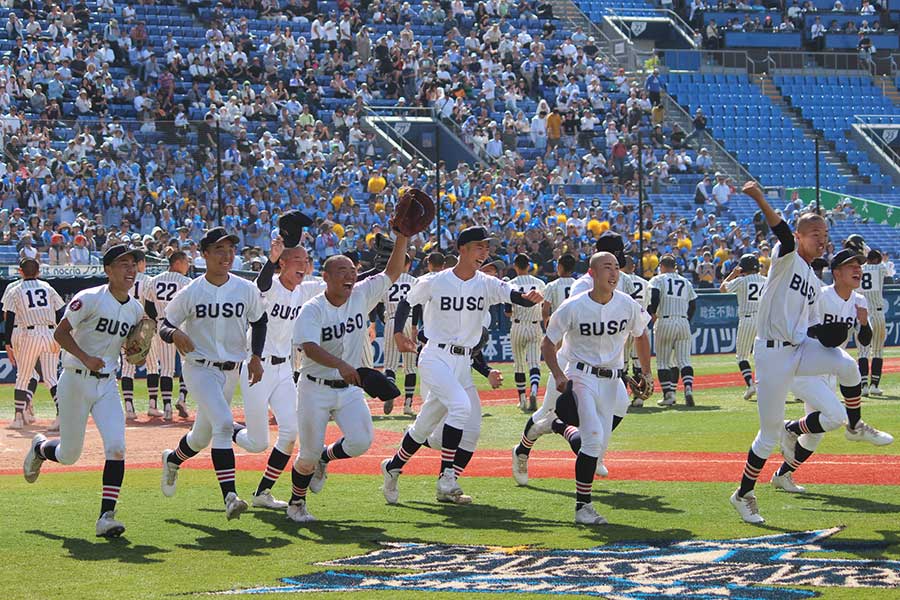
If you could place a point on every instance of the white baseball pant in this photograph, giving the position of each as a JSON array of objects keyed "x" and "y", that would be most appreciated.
[
  {"x": 777, "y": 368},
  {"x": 275, "y": 389},
  {"x": 213, "y": 390},
  {"x": 392, "y": 356},
  {"x": 316, "y": 403},
  {"x": 879, "y": 333},
  {"x": 436, "y": 416},
  {"x": 161, "y": 358},
  {"x": 448, "y": 378},
  {"x": 672, "y": 342},
  {"x": 818, "y": 394},
  {"x": 80, "y": 396},
  {"x": 30, "y": 346},
  {"x": 551, "y": 395},
  {"x": 597, "y": 399},
  {"x": 525, "y": 339},
  {"x": 746, "y": 336}
]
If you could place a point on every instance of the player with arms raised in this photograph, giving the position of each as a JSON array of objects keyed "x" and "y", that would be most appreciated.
[{"x": 746, "y": 282}]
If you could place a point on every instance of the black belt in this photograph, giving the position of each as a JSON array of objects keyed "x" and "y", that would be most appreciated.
[
  {"x": 457, "y": 350},
  {"x": 275, "y": 360},
  {"x": 674, "y": 317},
  {"x": 338, "y": 384},
  {"x": 778, "y": 344},
  {"x": 599, "y": 372},
  {"x": 532, "y": 322},
  {"x": 879, "y": 309},
  {"x": 41, "y": 327},
  {"x": 92, "y": 373},
  {"x": 745, "y": 316},
  {"x": 222, "y": 366}
]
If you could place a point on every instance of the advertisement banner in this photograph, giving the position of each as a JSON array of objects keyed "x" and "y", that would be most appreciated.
[{"x": 875, "y": 212}]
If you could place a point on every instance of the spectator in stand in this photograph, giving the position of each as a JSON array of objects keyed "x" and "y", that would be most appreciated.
[
  {"x": 699, "y": 131},
  {"x": 654, "y": 86},
  {"x": 80, "y": 255},
  {"x": 704, "y": 161},
  {"x": 57, "y": 254},
  {"x": 817, "y": 35},
  {"x": 721, "y": 195}
]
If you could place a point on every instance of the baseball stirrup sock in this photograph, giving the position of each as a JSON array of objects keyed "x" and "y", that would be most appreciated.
[
  {"x": 664, "y": 383},
  {"x": 877, "y": 364},
  {"x": 278, "y": 460},
  {"x": 182, "y": 452},
  {"x": 299, "y": 486},
  {"x": 47, "y": 450},
  {"x": 449, "y": 443},
  {"x": 673, "y": 377},
  {"x": 751, "y": 473},
  {"x": 223, "y": 463},
  {"x": 334, "y": 451},
  {"x": 569, "y": 432},
  {"x": 461, "y": 461},
  {"x": 183, "y": 391},
  {"x": 128, "y": 390},
  {"x": 520, "y": 383},
  {"x": 32, "y": 384},
  {"x": 20, "y": 399},
  {"x": 746, "y": 372},
  {"x": 535, "y": 378},
  {"x": 113, "y": 474},
  {"x": 55, "y": 399},
  {"x": 852, "y": 403},
  {"x": 808, "y": 424},
  {"x": 687, "y": 376},
  {"x": 166, "y": 385},
  {"x": 864, "y": 370},
  {"x": 153, "y": 388},
  {"x": 800, "y": 456},
  {"x": 585, "y": 466},
  {"x": 391, "y": 376},
  {"x": 409, "y": 386},
  {"x": 525, "y": 445},
  {"x": 408, "y": 447}
]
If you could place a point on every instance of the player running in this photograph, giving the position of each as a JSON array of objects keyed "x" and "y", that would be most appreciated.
[
  {"x": 874, "y": 272},
  {"x": 392, "y": 356},
  {"x": 746, "y": 282},
  {"x": 525, "y": 334}
]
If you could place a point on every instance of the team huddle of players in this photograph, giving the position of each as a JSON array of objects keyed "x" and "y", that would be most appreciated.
[{"x": 309, "y": 358}]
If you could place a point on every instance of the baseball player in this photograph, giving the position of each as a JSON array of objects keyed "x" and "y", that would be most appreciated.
[
  {"x": 332, "y": 331},
  {"x": 157, "y": 293},
  {"x": 784, "y": 348},
  {"x": 297, "y": 354},
  {"x": 455, "y": 305},
  {"x": 838, "y": 303},
  {"x": 558, "y": 290},
  {"x": 641, "y": 295},
  {"x": 28, "y": 412},
  {"x": 746, "y": 282},
  {"x": 207, "y": 321},
  {"x": 32, "y": 311},
  {"x": 525, "y": 334},
  {"x": 92, "y": 333},
  {"x": 396, "y": 294},
  {"x": 672, "y": 304},
  {"x": 874, "y": 273},
  {"x": 128, "y": 369},
  {"x": 592, "y": 328}
]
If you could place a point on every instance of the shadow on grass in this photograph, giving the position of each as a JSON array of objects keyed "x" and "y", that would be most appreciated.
[
  {"x": 677, "y": 408},
  {"x": 618, "y": 500},
  {"x": 327, "y": 532},
  {"x": 835, "y": 503},
  {"x": 887, "y": 548},
  {"x": 98, "y": 549},
  {"x": 235, "y": 542}
]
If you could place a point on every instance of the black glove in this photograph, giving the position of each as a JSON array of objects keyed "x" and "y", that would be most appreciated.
[
  {"x": 384, "y": 246},
  {"x": 864, "y": 336},
  {"x": 830, "y": 335}
]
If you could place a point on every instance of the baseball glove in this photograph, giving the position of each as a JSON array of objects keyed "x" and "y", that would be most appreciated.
[
  {"x": 641, "y": 387},
  {"x": 830, "y": 335},
  {"x": 413, "y": 213},
  {"x": 137, "y": 344},
  {"x": 383, "y": 246}
]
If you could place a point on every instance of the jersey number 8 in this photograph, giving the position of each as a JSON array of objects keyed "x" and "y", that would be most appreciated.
[{"x": 866, "y": 282}]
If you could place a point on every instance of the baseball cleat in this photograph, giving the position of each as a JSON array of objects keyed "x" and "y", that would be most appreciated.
[
  {"x": 522, "y": 403},
  {"x": 448, "y": 489},
  {"x": 234, "y": 506},
  {"x": 319, "y": 476},
  {"x": 169, "y": 474},
  {"x": 747, "y": 507},
  {"x": 601, "y": 470},
  {"x": 130, "y": 415},
  {"x": 388, "y": 406},
  {"x": 750, "y": 392},
  {"x": 788, "y": 443},
  {"x": 668, "y": 399},
  {"x": 31, "y": 468},
  {"x": 265, "y": 499},
  {"x": 408, "y": 409},
  {"x": 689, "y": 395},
  {"x": 390, "y": 488},
  {"x": 786, "y": 482},
  {"x": 588, "y": 515},
  {"x": 637, "y": 403},
  {"x": 18, "y": 421},
  {"x": 863, "y": 432},
  {"x": 28, "y": 414},
  {"x": 167, "y": 412},
  {"x": 54, "y": 426},
  {"x": 865, "y": 390},
  {"x": 181, "y": 407},
  {"x": 154, "y": 412},
  {"x": 296, "y": 511},
  {"x": 532, "y": 402},
  {"x": 520, "y": 467},
  {"x": 108, "y": 527},
  {"x": 875, "y": 391}
]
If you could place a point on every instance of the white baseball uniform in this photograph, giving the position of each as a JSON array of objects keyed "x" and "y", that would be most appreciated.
[
  {"x": 160, "y": 290},
  {"x": 525, "y": 331},
  {"x": 215, "y": 318},
  {"x": 7, "y": 294},
  {"x": 137, "y": 292},
  {"x": 672, "y": 331},
  {"x": 872, "y": 288},
  {"x": 641, "y": 294},
  {"x": 392, "y": 357},
  {"x": 748, "y": 289},
  {"x": 321, "y": 391},
  {"x": 558, "y": 291}
]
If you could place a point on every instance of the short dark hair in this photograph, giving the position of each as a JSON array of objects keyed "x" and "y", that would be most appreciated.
[
  {"x": 176, "y": 256},
  {"x": 522, "y": 261},
  {"x": 436, "y": 259},
  {"x": 30, "y": 268},
  {"x": 567, "y": 262}
]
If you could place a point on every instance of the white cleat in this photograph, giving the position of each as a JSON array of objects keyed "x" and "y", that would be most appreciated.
[
  {"x": 154, "y": 412},
  {"x": 788, "y": 443},
  {"x": 865, "y": 390},
  {"x": 863, "y": 432},
  {"x": 668, "y": 399},
  {"x": 18, "y": 421},
  {"x": 750, "y": 392},
  {"x": 523, "y": 403},
  {"x": 167, "y": 412},
  {"x": 317, "y": 483},
  {"x": 408, "y": 410},
  {"x": 588, "y": 515},
  {"x": 448, "y": 489},
  {"x": 31, "y": 468},
  {"x": 181, "y": 407},
  {"x": 542, "y": 426},
  {"x": 296, "y": 511},
  {"x": 875, "y": 391},
  {"x": 601, "y": 470},
  {"x": 532, "y": 401},
  {"x": 28, "y": 415},
  {"x": 130, "y": 415},
  {"x": 520, "y": 467},
  {"x": 786, "y": 482},
  {"x": 169, "y": 474},
  {"x": 747, "y": 507},
  {"x": 388, "y": 406},
  {"x": 265, "y": 499},
  {"x": 54, "y": 426},
  {"x": 108, "y": 527},
  {"x": 391, "y": 487},
  {"x": 234, "y": 506}
]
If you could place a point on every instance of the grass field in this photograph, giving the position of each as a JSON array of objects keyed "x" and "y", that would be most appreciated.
[{"x": 184, "y": 545}]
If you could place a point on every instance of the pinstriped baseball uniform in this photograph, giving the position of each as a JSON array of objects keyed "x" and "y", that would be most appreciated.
[
  {"x": 748, "y": 289},
  {"x": 558, "y": 291},
  {"x": 137, "y": 292},
  {"x": 391, "y": 300},
  {"x": 641, "y": 294},
  {"x": 872, "y": 289},
  {"x": 672, "y": 332},
  {"x": 525, "y": 332},
  {"x": 160, "y": 290},
  {"x": 34, "y": 303}
]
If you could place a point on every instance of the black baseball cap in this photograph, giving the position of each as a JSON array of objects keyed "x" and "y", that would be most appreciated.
[
  {"x": 377, "y": 385},
  {"x": 118, "y": 251},
  {"x": 472, "y": 234},
  {"x": 217, "y": 234},
  {"x": 290, "y": 227},
  {"x": 847, "y": 255},
  {"x": 749, "y": 263}
]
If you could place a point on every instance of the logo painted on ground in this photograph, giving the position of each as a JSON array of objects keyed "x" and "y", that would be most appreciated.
[{"x": 766, "y": 567}]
